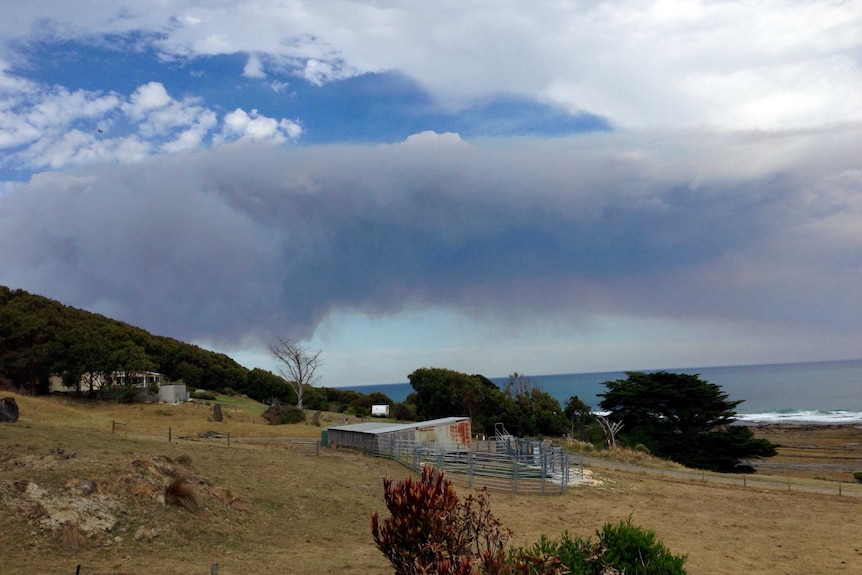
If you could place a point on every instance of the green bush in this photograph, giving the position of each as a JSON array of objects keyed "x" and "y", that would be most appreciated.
[
  {"x": 203, "y": 394},
  {"x": 278, "y": 414},
  {"x": 636, "y": 551},
  {"x": 858, "y": 476}
]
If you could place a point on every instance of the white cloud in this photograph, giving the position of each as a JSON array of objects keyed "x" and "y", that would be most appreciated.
[
  {"x": 255, "y": 127},
  {"x": 431, "y": 137},
  {"x": 735, "y": 64},
  {"x": 253, "y": 67},
  {"x": 147, "y": 98},
  {"x": 51, "y": 127}
]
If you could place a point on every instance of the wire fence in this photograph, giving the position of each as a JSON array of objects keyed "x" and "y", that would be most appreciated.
[
  {"x": 764, "y": 482},
  {"x": 541, "y": 470}
]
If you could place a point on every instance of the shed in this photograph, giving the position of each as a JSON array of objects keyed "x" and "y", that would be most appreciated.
[
  {"x": 173, "y": 393},
  {"x": 379, "y": 411},
  {"x": 367, "y": 436}
]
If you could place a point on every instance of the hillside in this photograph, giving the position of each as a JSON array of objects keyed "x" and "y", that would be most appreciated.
[
  {"x": 40, "y": 336},
  {"x": 268, "y": 507}
]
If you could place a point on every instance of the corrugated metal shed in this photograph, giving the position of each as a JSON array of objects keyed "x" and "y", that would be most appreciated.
[{"x": 448, "y": 430}]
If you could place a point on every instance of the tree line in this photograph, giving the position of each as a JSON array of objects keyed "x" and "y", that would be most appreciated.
[{"x": 673, "y": 416}]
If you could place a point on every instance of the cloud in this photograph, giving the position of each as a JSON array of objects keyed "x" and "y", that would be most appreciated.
[
  {"x": 52, "y": 127},
  {"x": 253, "y": 126},
  {"x": 249, "y": 240},
  {"x": 254, "y": 67},
  {"x": 775, "y": 64}
]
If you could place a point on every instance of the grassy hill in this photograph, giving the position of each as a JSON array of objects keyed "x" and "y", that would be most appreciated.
[{"x": 271, "y": 507}]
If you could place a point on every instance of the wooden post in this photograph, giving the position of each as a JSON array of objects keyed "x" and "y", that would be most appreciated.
[
  {"x": 169, "y": 435},
  {"x": 214, "y": 569}
]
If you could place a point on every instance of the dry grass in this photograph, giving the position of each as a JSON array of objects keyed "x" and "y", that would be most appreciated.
[{"x": 268, "y": 510}]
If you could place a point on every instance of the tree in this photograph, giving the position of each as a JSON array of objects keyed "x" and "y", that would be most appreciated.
[
  {"x": 443, "y": 392},
  {"x": 536, "y": 412},
  {"x": 297, "y": 365},
  {"x": 578, "y": 413},
  {"x": 683, "y": 418}
]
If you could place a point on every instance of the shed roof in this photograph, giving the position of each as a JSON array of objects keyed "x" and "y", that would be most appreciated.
[{"x": 378, "y": 427}]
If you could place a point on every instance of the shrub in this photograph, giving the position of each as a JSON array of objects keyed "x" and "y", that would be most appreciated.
[
  {"x": 278, "y": 414},
  {"x": 431, "y": 531},
  {"x": 636, "y": 551},
  {"x": 858, "y": 476},
  {"x": 203, "y": 394}
]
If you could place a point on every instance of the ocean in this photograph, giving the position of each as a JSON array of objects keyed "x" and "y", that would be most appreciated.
[{"x": 816, "y": 392}]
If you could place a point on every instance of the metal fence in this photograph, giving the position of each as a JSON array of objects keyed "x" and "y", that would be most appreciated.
[{"x": 540, "y": 469}]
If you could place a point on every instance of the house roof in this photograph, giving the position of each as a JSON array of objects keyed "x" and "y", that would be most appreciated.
[{"x": 378, "y": 427}]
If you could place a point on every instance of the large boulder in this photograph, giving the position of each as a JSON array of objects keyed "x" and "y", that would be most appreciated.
[{"x": 8, "y": 410}]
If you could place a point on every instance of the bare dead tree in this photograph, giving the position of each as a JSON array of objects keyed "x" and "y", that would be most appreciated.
[
  {"x": 610, "y": 428},
  {"x": 297, "y": 365}
]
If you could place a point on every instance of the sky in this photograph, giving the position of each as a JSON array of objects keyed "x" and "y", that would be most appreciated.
[{"x": 486, "y": 186}]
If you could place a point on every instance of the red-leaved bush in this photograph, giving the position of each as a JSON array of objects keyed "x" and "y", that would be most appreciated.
[{"x": 431, "y": 532}]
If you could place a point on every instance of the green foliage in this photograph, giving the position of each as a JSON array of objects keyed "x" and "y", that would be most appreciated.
[
  {"x": 278, "y": 414},
  {"x": 447, "y": 393},
  {"x": 523, "y": 408},
  {"x": 683, "y": 418},
  {"x": 535, "y": 412},
  {"x": 40, "y": 336},
  {"x": 267, "y": 387},
  {"x": 430, "y": 531},
  {"x": 203, "y": 394},
  {"x": 857, "y": 475},
  {"x": 635, "y": 551},
  {"x": 404, "y": 411}
]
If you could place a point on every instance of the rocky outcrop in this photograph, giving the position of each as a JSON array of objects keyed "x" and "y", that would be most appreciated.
[{"x": 8, "y": 410}]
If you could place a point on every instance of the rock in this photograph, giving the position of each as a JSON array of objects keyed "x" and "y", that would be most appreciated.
[
  {"x": 82, "y": 486},
  {"x": 8, "y": 410},
  {"x": 217, "y": 414},
  {"x": 145, "y": 534}
]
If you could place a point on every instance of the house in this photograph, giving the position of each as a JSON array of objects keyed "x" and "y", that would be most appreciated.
[{"x": 95, "y": 381}]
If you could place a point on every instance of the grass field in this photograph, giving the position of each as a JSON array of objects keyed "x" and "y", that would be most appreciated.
[{"x": 272, "y": 509}]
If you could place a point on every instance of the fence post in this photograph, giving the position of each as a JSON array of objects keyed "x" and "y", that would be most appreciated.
[
  {"x": 470, "y": 469},
  {"x": 515, "y": 476},
  {"x": 169, "y": 435},
  {"x": 214, "y": 569},
  {"x": 228, "y": 438},
  {"x": 544, "y": 469}
]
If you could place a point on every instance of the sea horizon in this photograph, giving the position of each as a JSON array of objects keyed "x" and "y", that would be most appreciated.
[{"x": 823, "y": 392}]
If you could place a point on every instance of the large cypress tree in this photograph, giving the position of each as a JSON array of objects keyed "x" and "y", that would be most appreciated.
[{"x": 683, "y": 418}]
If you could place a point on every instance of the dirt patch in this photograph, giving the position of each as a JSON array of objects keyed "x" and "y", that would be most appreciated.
[{"x": 81, "y": 512}]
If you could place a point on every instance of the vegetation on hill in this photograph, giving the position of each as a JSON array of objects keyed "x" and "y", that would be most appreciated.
[{"x": 41, "y": 337}]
